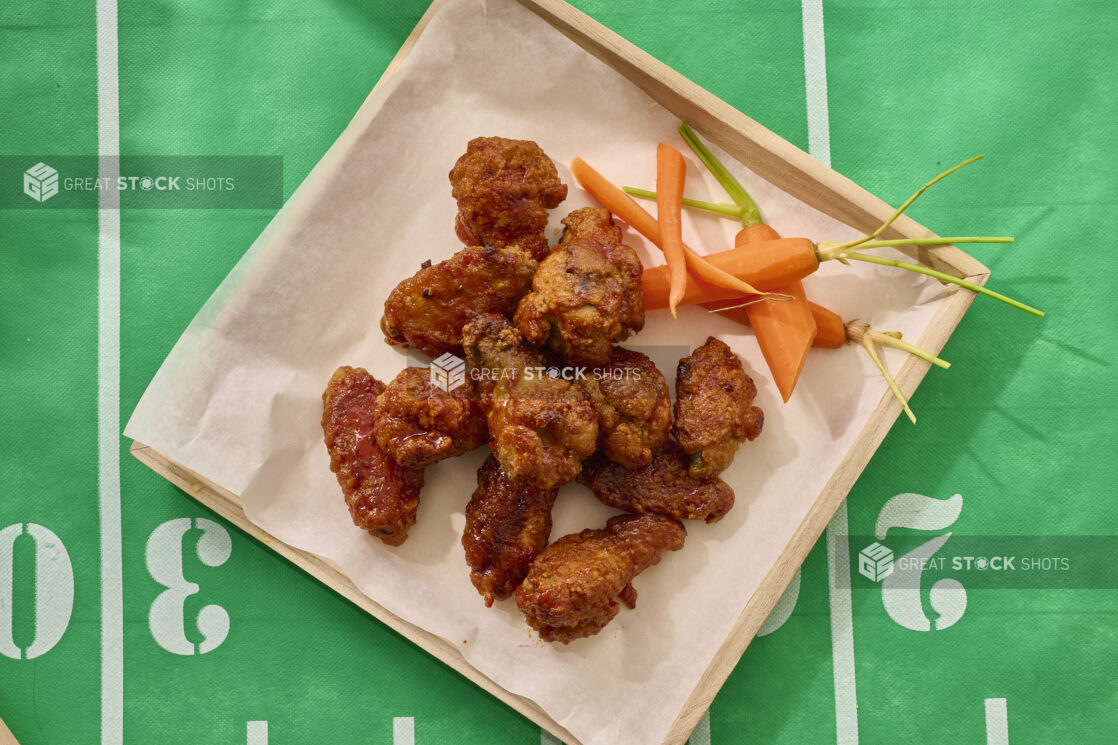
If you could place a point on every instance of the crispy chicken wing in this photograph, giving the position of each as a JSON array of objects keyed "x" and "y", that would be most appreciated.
[
  {"x": 382, "y": 496},
  {"x": 428, "y": 309},
  {"x": 663, "y": 487},
  {"x": 507, "y": 524},
  {"x": 418, "y": 423},
  {"x": 714, "y": 411},
  {"x": 586, "y": 294},
  {"x": 504, "y": 189},
  {"x": 634, "y": 407},
  {"x": 572, "y": 589},
  {"x": 540, "y": 427}
]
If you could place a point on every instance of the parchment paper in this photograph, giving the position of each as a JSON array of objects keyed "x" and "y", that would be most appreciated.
[{"x": 238, "y": 399}]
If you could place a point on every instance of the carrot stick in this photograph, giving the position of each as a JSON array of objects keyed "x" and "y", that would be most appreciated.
[
  {"x": 755, "y": 233},
  {"x": 622, "y": 205},
  {"x": 766, "y": 265},
  {"x": 785, "y": 331},
  {"x": 671, "y": 172},
  {"x": 830, "y": 331}
]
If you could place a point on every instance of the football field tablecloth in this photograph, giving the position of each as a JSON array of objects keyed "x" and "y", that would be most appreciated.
[{"x": 1022, "y": 428}]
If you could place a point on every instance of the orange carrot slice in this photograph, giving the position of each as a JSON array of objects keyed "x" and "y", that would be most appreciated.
[
  {"x": 671, "y": 172},
  {"x": 767, "y": 265},
  {"x": 622, "y": 205},
  {"x": 785, "y": 331}
]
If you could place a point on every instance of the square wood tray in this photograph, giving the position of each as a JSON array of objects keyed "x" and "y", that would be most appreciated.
[{"x": 771, "y": 158}]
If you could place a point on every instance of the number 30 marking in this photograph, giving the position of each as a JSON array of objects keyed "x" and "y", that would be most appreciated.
[{"x": 164, "y": 561}]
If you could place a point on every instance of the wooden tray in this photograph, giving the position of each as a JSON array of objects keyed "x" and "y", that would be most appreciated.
[{"x": 775, "y": 160}]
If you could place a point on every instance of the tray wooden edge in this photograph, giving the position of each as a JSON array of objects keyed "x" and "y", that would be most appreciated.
[
  {"x": 775, "y": 160},
  {"x": 6, "y": 736},
  {"x": 229, "y": 506}
]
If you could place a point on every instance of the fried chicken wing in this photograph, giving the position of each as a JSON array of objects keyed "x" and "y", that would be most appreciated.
[
  {"x": 634, "y": 407},
  {"x": 507, "y": 524},
  {"x": 504, "y": 189},
  {"x": 714, "y": 411},
  {"x": 382, "y": 496},
  {"x": 418, "y": 423},
  {"x": 540, "y": 427},
  {"x": 428, "y": 309},
  {"x": 572, "y": 589},
  {"x": 663, "y": 487},
  {"x": 587, "y": 293}
]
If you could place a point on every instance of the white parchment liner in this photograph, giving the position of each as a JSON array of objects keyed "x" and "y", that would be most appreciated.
[{"x": 238, "y": 399}]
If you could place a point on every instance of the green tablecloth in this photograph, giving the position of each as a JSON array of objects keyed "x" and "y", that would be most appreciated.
[{"x": 1023, "y": 426}]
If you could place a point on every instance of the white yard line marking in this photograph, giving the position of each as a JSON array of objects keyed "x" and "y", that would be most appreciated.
[
  {"x": 546, "y": 738},
  {"x": 257, "y": 733},
  {"x": 403, "y": 731},
  {"x": 815, "y": 80},
  {"x": 108, "y": 379},
  {"x": 842, "y": 629},
  {"x": 838, "y": 549},
  {"x": 701, "y": 735},
  {"x": 997, "y": 722}
]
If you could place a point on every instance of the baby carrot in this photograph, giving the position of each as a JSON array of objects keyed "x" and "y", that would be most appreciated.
[
  {"x": 622, "y": 205},
  {"x": 784, "y": 331},
  {"x": 767, "y": 265},
  {"x": 671, "y": 172}
]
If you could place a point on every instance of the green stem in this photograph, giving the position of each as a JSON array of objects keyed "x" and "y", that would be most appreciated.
[
  {"x": 937, "y": 241},
  {"x": 718, "y": 208},
  {"x": 750, "y": 212},
  {"x": 867, "y": 344},
  {"x": 908, "y": 203},
  {"x": 883, "y": 337},
  {"x": 870, "y": 259}
]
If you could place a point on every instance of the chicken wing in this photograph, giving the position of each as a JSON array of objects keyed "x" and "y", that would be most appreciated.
[
  {"x": 428, "y": 309},
  {"x": 507, "y": 524},
  {"x": 587, "y": 293},
  {"x": 634, "y": 407},
  {"x": 504, "y": 189},
  {"x": 540, "y": 427},
  {"x": 572, "y": 589},
  {"x": 418, "y": 423},
  {"x": 382, "y": 496},
  {"x": 714, "y": 411},
  {"x": 663, "y": 487}
]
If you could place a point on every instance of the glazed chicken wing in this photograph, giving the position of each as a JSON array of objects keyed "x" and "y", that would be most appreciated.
[
  {"x": 663, "y": 487},
  {"x": 587, "y": 293},
  {"x": 540, "y": 427},
  {"x": 634, "y": 407},
  {"x": 428, "y": 309},
  {"x": 714, "y": 411},
  {"x": 418, "y": 423},
  {"x": 382, "y": 496},
  {"x": 507, "y": 524},
  {"x": 504, "y": 189},
  {"x": 572, "y": 589}
]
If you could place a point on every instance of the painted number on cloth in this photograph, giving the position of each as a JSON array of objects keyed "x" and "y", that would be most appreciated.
[
  {"x": 900, "y": 590},
  {"x": 54, "y": 590},
  {"x": 164, "y": 556}
]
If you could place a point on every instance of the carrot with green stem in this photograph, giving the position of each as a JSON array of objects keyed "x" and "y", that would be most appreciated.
[
  {"x": 622, "y": 205},
  {"x": 784, "y": 331},
  {"x": 846, "y": 252},
  {"x": 833, "y": 333},
  {"x": 671, "y": 172}
]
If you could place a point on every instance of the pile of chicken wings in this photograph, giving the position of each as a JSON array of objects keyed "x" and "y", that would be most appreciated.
[{"x": 517, "y": 310}]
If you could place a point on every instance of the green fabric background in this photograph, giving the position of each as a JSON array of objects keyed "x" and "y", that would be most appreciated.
[{"x": 1022, "y": 426}]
